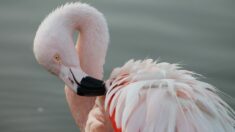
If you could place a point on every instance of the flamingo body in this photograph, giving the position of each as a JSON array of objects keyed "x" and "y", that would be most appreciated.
[{"x": 147, "y": 96}]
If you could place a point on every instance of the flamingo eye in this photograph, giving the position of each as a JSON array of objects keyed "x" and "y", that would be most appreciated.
[{"x": 57, "y": 58}]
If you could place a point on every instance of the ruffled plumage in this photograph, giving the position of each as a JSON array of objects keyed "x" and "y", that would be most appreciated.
[{"x": 148, "y": 96}]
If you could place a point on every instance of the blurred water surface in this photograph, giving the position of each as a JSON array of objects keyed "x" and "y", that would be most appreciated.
[{"x": 198, "y": 34}]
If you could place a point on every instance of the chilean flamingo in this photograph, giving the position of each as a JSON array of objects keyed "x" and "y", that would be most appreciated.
[{"x": 141, "y": 96}]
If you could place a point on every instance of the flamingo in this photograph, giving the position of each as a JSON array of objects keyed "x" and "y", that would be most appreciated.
[{"x": 142, "y": 95}]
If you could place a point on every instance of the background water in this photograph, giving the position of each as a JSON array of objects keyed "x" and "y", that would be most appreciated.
[{"x": 200, "y": 34}]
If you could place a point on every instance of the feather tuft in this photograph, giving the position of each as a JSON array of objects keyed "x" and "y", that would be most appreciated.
[{"x": 162, "y": 97}]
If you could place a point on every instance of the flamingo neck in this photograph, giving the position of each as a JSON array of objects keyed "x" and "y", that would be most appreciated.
[
  {"x": 55, "y": 34},
  {"x": 93, "y": 35},
  {"x": 58, "y": 30},
  {"x": 91, "y": 47}
]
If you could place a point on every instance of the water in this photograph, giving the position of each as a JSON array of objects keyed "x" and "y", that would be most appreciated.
[{"x": 198, "y": 34}]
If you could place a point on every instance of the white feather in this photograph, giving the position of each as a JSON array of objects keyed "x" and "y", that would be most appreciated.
[{"x": 161, "y": 97}]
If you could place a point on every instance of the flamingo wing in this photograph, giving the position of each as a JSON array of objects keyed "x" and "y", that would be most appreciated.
[{"x": 149, "y": 96}]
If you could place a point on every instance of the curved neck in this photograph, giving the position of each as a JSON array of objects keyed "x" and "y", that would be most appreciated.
[
  {"x": 93, "y": 36},
  {"x": 58, "y": 29},
  {"x": 90, "y": 50}
]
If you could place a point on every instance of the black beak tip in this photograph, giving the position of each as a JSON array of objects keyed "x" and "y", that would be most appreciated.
[{"x": 90, "y": 86}]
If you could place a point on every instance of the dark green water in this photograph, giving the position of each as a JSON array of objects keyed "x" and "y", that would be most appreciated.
[{"x": 199, "y": 34}]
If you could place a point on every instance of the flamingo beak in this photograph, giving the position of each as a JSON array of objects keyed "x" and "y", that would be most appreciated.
[
  {"x": 80, "y": 83},
  {"x": 66, "y": 76}
]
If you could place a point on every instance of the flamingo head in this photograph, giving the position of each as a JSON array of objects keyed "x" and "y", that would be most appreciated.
[
  {"x": 54, "y": 49},
  {"x": 58, "y": 58}
]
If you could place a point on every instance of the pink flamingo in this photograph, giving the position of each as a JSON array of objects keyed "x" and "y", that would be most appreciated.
[{"x": 141, "y": 96}]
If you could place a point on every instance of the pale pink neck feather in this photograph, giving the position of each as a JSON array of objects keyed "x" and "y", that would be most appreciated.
[
  {"x": 91, "y": 49},
  {"x": 93, "y": 36}
]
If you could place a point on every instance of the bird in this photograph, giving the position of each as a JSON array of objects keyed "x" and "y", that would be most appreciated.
[{"x": 140, "y": 96}]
